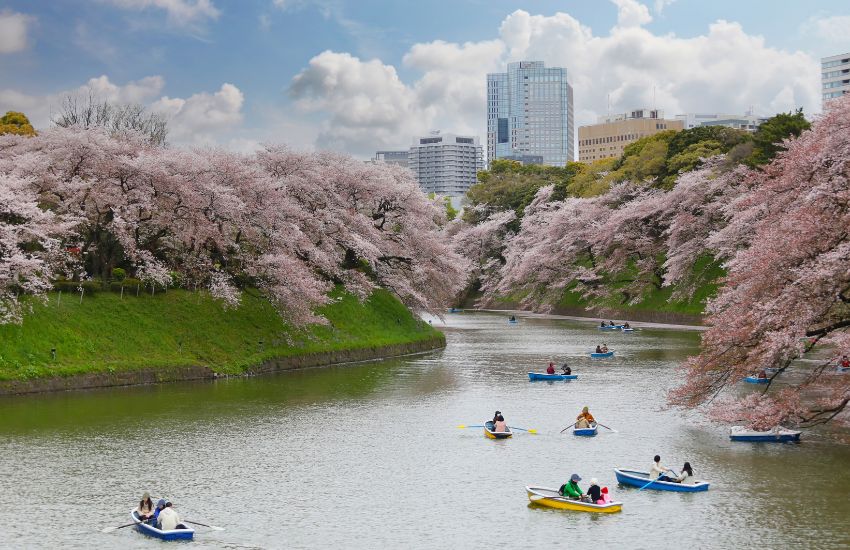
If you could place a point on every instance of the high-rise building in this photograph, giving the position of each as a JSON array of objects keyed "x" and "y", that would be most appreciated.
[
  {"x": 747, "y": 122},
  {"x": 835, "y": 76},
  {"x": 612, "y": 133},
  {"x": 399, "y": 158},
  {"x": 530, "y": 112},
  {"x": 446, "y": 164}
]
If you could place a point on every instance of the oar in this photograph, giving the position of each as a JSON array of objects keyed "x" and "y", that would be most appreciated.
[
  {"x": 531, "y": 431},
  {"x": 473, "y": 426},
  {"x": 110, "y": 529},
  {"x": 213, "y": 527},
  {"x": 604, "y": 426},
  {"x": 654, "y": 480},
  {"x": 568, "y": 427}
]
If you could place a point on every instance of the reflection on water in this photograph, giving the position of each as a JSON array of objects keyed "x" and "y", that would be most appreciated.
[{"x": 368, "y": 455}]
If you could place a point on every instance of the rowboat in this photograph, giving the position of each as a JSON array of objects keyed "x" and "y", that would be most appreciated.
[
  {"x": 776, "y": 435},
  {"x": 489, "y": 431},
  {"x": 454, "y": 310},
  {"x": 552, "y": 499},
  {"x": 842, "y": 369},
  {"x": 640, "y": 479},
  {"x": 513, "y": 321},
  {"x": 544, "y": 376},
  {"x": 181, "y": 533},
  {"x": 756, "y": 380},
  {"x": 586, "y": 431},
  {"x": 609, "y": 327},
  {"x": 628, "y": 329},
  {"x": 606, "y": 354}
]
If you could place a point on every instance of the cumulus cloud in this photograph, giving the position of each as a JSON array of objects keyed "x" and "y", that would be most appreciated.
[
  {"x": 179, "y": 12},
  {"x": 201, "y": 119},
  {"x": 13, "y": 31},
  {"x": 723, "y": 70},
  {"x": 659, "y": 5}
]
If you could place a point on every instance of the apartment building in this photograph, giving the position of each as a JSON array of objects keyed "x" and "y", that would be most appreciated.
[{"x": 609, "y": 137}]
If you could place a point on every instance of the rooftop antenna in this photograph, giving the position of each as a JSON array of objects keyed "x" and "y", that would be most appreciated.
[
  {"x": 609, "y": 105},
  {"x": 654, "y": 103}
]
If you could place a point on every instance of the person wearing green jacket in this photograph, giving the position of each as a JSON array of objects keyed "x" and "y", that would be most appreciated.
[{"x": 571, "y": 488}]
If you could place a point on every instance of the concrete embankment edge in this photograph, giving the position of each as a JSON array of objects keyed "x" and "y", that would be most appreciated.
[{"x": 200, "y": 372}]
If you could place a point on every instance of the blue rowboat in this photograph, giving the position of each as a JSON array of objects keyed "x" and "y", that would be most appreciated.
[
  {"x": 609, "y": 327},
  {"x": 454, "y": 310},
  {"x": 776, "y": 435},
  {"x": 771, "y": 370},
  {"x": 513, "y": 321},
  {"x": 606, "y": 354},
  {"x": 639, "y": 479},
  {"x": 181, "y": 533},
  {"x": 586, "y": 431},
  {"x": 756, "y": 380},
  {"x": 544, "y": 376}
]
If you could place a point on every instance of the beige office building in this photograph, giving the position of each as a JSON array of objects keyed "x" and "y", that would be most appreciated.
[{"x": 609, "y": 137}]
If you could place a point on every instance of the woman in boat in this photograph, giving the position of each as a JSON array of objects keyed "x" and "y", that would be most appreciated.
[
  {"x": 571, "y": 489},
  {"x": 598, "y": 349},
  {"x": 496, "y": 416},
  {"x": 145, "y": 509},
  {"x": 584, "y": 419},
  {"x": 551, "y": 368},
  {"x": 604, "y": 348},
  {"x": 687, "y": 475},
  {"x": 566, "y": 370},
  {"x": 501, "y": 426},
  {"x": 594, "y": 492},
  {"x": 657, "y": 471}
]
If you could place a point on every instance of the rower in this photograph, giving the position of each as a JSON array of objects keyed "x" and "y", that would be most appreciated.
[
  {"x": 584, "y": 419},
  {"x": 501, "y": 426},
  {"x": 168, "y": 518},
  {"x": 657, "y": 470},
  {"x": 566, "y": 370},
  {"x": 551, "y": 368}
]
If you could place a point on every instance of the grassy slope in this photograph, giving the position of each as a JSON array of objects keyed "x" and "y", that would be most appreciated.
[{"x": 180, "y": 328}]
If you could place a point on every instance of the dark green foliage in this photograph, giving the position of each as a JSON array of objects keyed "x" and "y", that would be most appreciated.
[
  {"x": 118, "y": 273},
  {"x": 767, "y": 139}
]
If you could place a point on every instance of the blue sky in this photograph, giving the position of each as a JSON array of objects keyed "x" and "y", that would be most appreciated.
[{"x": 396, "y": 68}]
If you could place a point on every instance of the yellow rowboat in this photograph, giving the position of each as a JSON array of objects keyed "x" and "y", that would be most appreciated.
[
  {"x": 489, "y": 431},
  {"x": 551, "y": 499}
]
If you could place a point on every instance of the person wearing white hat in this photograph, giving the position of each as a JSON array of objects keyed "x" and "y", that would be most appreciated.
[{"x": 594, "y": 492}]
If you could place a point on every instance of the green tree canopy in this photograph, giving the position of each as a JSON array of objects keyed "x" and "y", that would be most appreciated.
[
  {"x": 768, "y": 138},
  {"x": 17, "y": 123}
]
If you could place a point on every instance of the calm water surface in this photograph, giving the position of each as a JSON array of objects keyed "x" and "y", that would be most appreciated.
[{"x": 368, "y": 455}]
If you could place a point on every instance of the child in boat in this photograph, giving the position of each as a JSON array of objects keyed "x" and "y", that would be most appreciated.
[
  {"x": 551, "y": 368},
  {"x": 594, "y": 492},
  {"x": 145, "y": 509},
  {"x": 584, "y": 419},
  {"x": 687, "y": 475},
  {"x": 501, "y": 426},
  {"x": 571, "y": 489},
  {"x": 603, "y": 497}
]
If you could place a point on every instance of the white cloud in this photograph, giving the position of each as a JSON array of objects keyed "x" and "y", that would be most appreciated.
[
  {"x": 180, "y": 12},
  {"x": 725, "y": 69},
  {"x": 201, "y": 119},
  {"x": 13, "y": 31},
  {"x": 659, "y": 5},
  {"x": 834, "y": 28}
]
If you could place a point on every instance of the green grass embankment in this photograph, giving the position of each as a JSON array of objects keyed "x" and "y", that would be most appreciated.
[{"x": 106, "y": 333}]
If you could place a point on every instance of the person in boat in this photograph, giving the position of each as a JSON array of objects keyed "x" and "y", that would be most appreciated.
[
  {"x": 626, "y": 325},
  {"x": 762, "y": 374},
  {"x": 565, "y": 369},
  {"x": 168, "y": 518},
  {"x": 686, "y": 477},
  {"x": 603, "y": 496},
  {"x": 611, "y": 324},
  {"x": 584, "y": 419},
  {"x": 571, "y": 489},
  {"x": 145, "y": 509},
  {"x": 598, "y": 349},
  {"x": 658, "y": 470},
  {"x": 501, "y": 425},
  {"x": 602, "y": 324},
  {"x": 594, "y": 492},
  {"x": 604, "y": 348},
  {"x": 551, "y": 368},
  {"x": 513, "y": 318},
  {"x": 845, "y": 363},
  {"x": 496, "y": 416},
  {"x": 160, "y": 505}
]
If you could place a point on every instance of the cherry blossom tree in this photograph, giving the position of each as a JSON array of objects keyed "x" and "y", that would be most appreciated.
[{"x": 787, "y": 293}]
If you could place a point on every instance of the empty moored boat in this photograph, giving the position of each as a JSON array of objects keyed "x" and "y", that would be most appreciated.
[
  {"x": 640, "y": 479},
  {"x": 182, "y": 532},
  {"x": 552, "y": 499},
  {"x": 778, "y": 434},
  {"x": 490, "y": 431},
  {"x": 544, "y": 376}
]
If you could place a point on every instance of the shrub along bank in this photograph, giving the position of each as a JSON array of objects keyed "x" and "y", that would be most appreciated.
[{"x": 105, "y": 332}]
